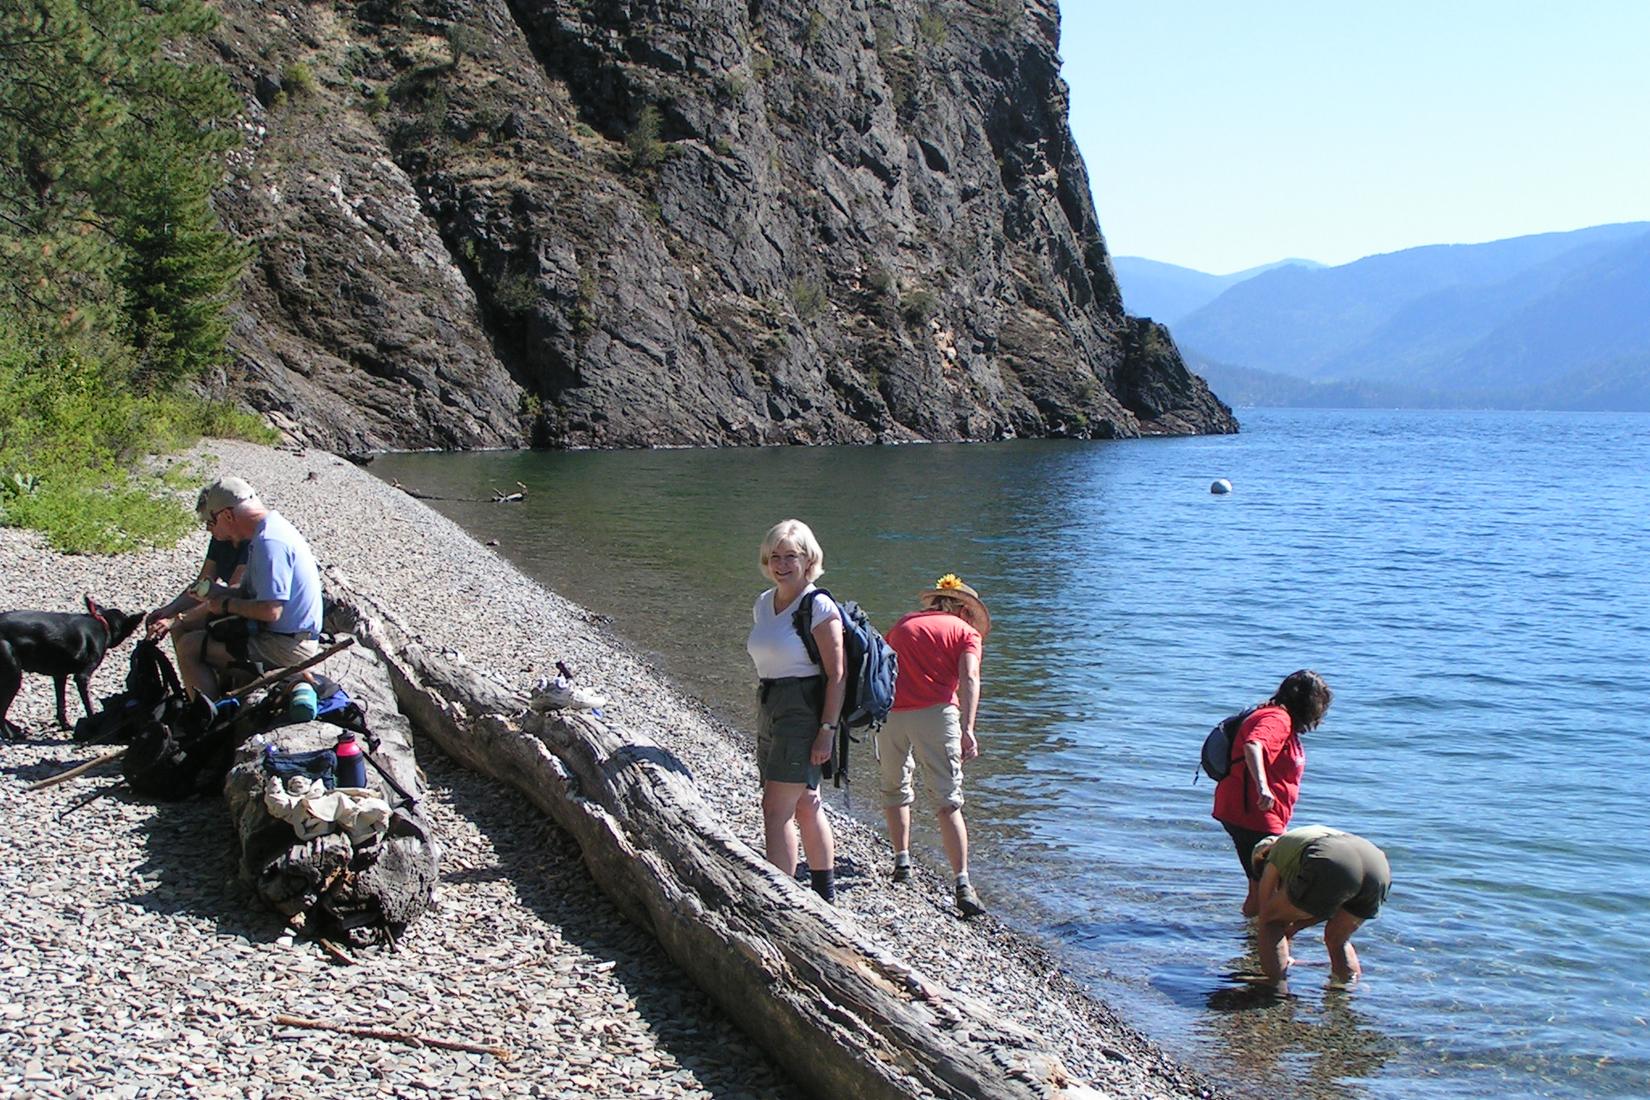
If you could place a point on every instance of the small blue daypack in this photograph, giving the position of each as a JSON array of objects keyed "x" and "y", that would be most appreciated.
[
  {"x": 1217, "y": 746},
  {"x": 870, "y": 664}
]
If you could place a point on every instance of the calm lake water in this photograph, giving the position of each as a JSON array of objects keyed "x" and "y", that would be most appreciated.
[{"x": 1472, "y": 585}]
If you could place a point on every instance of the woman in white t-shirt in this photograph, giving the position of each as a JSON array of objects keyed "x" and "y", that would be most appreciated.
[{"x": 799, "y": 704}]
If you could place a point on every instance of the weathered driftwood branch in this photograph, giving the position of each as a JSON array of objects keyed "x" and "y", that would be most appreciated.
[
  {"x": 501, "y": 1053},
  {"x": 352, "y": 893},
  {"x": 802, "y": 978},
  {"x": 78, "y": 770}
]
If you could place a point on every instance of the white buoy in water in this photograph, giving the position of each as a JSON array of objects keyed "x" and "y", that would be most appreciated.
[{"x": 1221, "y": 487}]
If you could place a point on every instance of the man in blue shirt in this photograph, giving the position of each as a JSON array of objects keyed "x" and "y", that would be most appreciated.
[{"x": 280, "y": 597}]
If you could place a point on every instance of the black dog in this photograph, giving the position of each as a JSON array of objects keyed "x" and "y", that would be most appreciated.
[{"x": 59, "y": 645}]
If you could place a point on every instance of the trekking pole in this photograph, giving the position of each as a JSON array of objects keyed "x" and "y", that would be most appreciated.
[
  {"x": 87, "y": 800},
  {"x": 282, "y": 673},
  {"x": 406, "y": 799}
]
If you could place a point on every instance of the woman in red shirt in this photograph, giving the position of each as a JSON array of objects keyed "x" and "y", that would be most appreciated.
[
  {"x": 931, "y": 727},
  {"x": 1257, "y": 797}
]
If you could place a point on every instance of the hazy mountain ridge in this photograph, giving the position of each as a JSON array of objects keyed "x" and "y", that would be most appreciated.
[
  {"x": 1168, "y": 292},
  {"x": 1556, "y": 320}
]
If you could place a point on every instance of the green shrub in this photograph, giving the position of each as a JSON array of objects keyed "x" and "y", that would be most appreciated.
[
  {"x": 646, "y": 150},
  {"x": 465, "y": 41},
  {"x": 584, "y": 309},
  {"x": 918, "y": 305},
  {"x": 809, "y": 299},
  {"x": 299, "y": 79},
  {"x": 885, "y": 42},
  {"x": 73, "y": 445},
  {"x": 932, "y": 28},
  {"x": 516, "y": 293}
]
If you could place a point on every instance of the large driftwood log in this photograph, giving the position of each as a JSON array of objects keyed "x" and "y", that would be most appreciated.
[
  {"x": 800, "y": 977},
  {"x": 353, "y": 893}
]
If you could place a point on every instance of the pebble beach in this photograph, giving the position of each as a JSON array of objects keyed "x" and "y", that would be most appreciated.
[{"x": 134, "y": 964}]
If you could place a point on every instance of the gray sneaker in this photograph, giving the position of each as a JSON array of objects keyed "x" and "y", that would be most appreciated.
[
  {"x": 902, "y": 872},
  {"x": 968, "y": 902}
]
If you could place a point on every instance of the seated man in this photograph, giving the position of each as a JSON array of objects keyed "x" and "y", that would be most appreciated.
[
  {"x": 221, "y": 574},
  {"x": 1315, "y": 874},
  {"x": 281, "y": 600}
]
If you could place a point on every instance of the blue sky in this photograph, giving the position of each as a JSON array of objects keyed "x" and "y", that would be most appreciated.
[{"x": 1222, "y": 135}]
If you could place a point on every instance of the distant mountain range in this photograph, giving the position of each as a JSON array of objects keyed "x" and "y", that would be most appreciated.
[
  {"x": 1167, "y": 292},
  {"x": 1557, "y": 320}
]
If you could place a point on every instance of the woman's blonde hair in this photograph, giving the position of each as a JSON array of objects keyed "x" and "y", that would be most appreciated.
[
  {"x": 799, "y": 535},
  {"x": 952, "y": 605}
]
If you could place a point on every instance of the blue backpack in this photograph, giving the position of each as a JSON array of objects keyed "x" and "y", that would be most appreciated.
[
  {"x": 1216, "y": 760},
  {"x": 870, "y": 668}
]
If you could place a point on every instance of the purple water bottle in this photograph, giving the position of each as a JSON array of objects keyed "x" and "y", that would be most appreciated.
[{"x": 352, "y": 766}]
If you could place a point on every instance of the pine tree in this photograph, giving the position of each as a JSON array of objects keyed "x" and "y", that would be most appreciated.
[{"x": 109, "y": 150}]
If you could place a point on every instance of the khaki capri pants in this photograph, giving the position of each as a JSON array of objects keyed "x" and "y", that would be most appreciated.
[{"x": 930, "y": 738}]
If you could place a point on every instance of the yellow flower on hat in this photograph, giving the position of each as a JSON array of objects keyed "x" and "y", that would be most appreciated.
[{"x": 950, "y": 580}]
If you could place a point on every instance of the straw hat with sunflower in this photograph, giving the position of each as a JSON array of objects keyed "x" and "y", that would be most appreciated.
[{"x": 951, "y": 587}]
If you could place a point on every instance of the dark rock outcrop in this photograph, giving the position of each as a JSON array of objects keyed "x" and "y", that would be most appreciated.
[{"x": 629, "y": 223}]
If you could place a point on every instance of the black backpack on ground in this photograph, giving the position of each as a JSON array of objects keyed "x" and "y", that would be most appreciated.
[
  {"x": 183, "y": 750},
  {"x": 870, "y": 668},
  {"x": 150, "y": 682}
]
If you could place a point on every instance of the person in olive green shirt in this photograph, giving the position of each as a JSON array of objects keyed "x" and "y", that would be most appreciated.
[{"x": 1311, "y": 875}]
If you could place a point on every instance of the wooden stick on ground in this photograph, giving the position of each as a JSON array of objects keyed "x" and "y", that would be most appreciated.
[
  {"x": 501, "y": 1053},
  {"x": 337, "y": 953},
  {"x": 78, "y": 769}
]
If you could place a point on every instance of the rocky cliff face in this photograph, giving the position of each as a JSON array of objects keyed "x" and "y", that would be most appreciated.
[{"x": 640, "y": 222}]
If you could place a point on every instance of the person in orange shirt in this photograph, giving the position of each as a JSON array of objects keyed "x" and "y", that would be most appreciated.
[{"x": 931, "y": 725}]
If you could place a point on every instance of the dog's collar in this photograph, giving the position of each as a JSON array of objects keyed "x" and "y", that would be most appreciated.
[{"x": 96, "y": 612}]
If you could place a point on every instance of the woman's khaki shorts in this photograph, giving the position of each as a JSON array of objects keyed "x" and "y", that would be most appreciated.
[{"x": 930, "y": 738}]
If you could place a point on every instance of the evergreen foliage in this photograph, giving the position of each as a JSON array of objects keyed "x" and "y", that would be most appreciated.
[{"x": 118, "y": 272}]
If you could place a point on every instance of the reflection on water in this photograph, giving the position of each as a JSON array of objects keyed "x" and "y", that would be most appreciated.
[
  {"x": 1460, "y": 625},
  {"x": 1293, "y": 1045}
]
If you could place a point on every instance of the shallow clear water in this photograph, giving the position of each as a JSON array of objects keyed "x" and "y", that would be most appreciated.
[{"x": 1471, "y": 585}]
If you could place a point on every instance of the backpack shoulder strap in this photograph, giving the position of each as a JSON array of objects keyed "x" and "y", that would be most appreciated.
[
  {"x": 803, "y": 616},
  {"x": 151, "y": 654},
  {"x": 1235, "y": 751}
]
